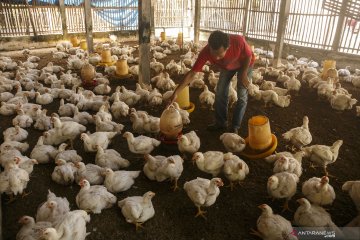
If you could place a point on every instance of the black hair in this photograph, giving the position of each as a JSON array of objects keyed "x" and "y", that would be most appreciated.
[{"x": 218, "y": 39}]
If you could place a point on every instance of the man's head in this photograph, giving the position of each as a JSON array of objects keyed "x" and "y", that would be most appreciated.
[{"x": 218, "y": 43}]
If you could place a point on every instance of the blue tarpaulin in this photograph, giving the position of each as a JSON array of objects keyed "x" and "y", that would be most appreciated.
[{"x": 128, "y": 16}]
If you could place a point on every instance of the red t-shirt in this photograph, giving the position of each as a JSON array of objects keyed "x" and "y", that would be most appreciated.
[{"x": 233, "y": 59}]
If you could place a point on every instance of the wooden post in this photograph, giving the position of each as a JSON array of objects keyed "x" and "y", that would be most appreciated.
[
  {"x": 144, "y": 41},
  {"x": 88, "y": 26},
  {"x": 152, "y": 20},
  {"x": 246, "y": 18},
  {"x": 340, "y": 25},
  {"x": 63, "y": 17},
  {"x": 197, "y": 21},
  {"x": 283, "y": 20},
  {"x": 31, "y": 17}
]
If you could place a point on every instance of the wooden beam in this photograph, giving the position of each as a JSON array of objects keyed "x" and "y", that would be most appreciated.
[
  {"x": 144, "y": 41},
  {"x": 340, "y": 24},
  {"x": 31, "y": 17},
  {"x": 152, "y": 20},
  {"x": 88, "y": 26},
  {"x": 197, "y": 21},
  {"x": 246, "y": 18},
  {"x": 283, "y": 20},
  {"x": 63, "y": 17}
]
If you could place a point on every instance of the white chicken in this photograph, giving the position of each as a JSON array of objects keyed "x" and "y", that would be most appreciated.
[
  {"x": 68, "y": 130},
  {"x": 213, "y": 78},
  {"x": 209, "y": 162},
  {"x": 44, "y": 99},
  {"x": 268, "y": 96},
  {"x": 140, "y": 144},
  {"x": 91, "y": 172},
  {"x": 163, "y": 81},
  {"x": 282, "y": 185},
  {"x": 22, "y": 119},
  {"x": 53, "y": 209},
  {"x": 207, "y": 98},
  {"x": 43, "y": 153},
  {"x": 110, "y": 158},
  {"x": 185, "y": 116},
  {"x": 129, "y": 96},
  {"x": 156, "y": 66},
  {"x": 155, "y": 98},
  {"x": 235, "y": 169},
  {"x": 292, "y": 84},
  {"x": 272, "y": 226},
  {"x": 119, "y": 108},
  {"x": 163, "y": 168},
  {"x": 288, "y": 164},
  {"x": 233, "y": 142},
  {"x": 14, "y": 179},
  {"x": 203, "y": 192},
  {"x": 353, "y": 188},
  {"x": 189, "y": 143},
  {"x": 299, "y": 136},
  {"x": 67, "y": 155},
  {"x": 66, "y": 110},
  {"x": 323, "y": 155},
  {"x": 308, "y": 215},
  {"x": 15, "y": 133},
  {"x": 71, "y": 226},
  {"x": 31, "y": 230},
  {"x": 137, "y": 209},
  {"x": 102, "y": 89},
  {"x": 94, "y": 198},
  {"x": 107, "y": 126},
  {"x": 119, "y": 181},
  {"x": 342, "y": 102},
  {"x": 318, "y": 191},
  {"x": 64, "y": 172},
  {"x": 93, "y": 140}
]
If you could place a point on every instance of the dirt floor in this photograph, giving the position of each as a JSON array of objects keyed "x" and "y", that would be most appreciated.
[{"x": 235, "y": 212}]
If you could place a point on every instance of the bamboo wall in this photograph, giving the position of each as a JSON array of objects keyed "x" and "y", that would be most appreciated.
[{"x": 310, "y": 24}]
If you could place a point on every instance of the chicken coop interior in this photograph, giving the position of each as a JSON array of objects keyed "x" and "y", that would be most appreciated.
[{"x": 92, "y": 148}]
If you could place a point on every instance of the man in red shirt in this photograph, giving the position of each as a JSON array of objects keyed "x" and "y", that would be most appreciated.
[{"x": 233, "y": 55}]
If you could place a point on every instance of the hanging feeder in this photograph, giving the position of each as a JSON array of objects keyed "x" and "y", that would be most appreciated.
[
  {"x": 122, "y": 69},
  {"x": 260, "y": 143},
  {"x": 87, "y": 75},
  {"x": 183, "y": 99},
  {"x": 171, "y": 125},
  {"x": 74, "y": 41},
  {"x": 106, "y": 58},
  {"x": 83, "y": 45}
]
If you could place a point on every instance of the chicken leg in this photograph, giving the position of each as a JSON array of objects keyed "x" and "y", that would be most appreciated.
[
  {"x": 256, "y": 233},
  {"x": 138, "y": 225},
  {"x": 12, "y": 198},
  {"x": 200, "y": 213},
  {"x": 175, "y": 185},
  {"x": 24, "y": 194},
  {"x": 286, "y": 206},
  {"x": 327, "y": 173}
]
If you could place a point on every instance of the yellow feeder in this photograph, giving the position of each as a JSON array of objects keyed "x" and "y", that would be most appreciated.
[
  {"x": 83, "y": 45},
  {"x": 183, "y": 99},
  {"x": 260, "y": 143},
  {"x": 328, "y": 64},
  {"x": 106, "y": 58},
  {"x": 163, "y": 36},
  {"x": 171, "y": 124},
  {"x": 122, "y": 68},
  {"x": 259, "y": 133},
  {"x": 74, "y": 41},
  {"x": 179, "y": 40}
]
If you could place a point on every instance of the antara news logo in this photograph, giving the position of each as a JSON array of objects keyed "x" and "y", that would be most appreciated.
[{"x": 313, "y": 233}]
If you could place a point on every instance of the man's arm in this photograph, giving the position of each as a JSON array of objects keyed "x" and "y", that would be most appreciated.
[
  {"x": 188, "y": 78},
  {"x": 244, "y": 70}
]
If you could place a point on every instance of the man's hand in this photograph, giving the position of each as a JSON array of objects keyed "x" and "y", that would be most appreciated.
[{"x": 245, "y": 81}]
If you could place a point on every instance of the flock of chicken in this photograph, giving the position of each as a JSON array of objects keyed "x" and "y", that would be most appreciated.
[{"x": 25, "y": 90}]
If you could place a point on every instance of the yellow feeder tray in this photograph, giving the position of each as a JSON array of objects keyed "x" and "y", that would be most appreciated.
[
  {"x": 117, "y": 76},
  {"x": 106, "y": 64},
  {"x": 252, "y": 154},
  {"x": 183, "y": 100}
]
